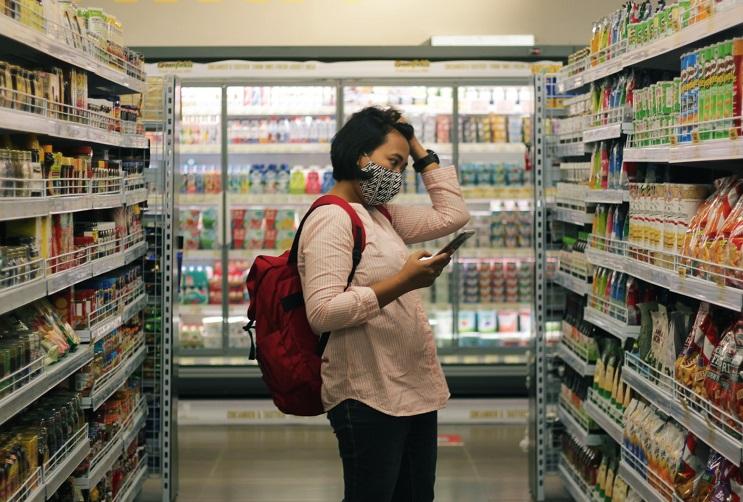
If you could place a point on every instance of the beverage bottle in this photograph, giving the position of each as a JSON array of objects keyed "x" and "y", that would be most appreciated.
[
  {"x": 297, "y": 180},
  {"x": 283, "y": 179},
  {"x": 270, "y": 179},
  {"x": 256, "y": 178}
]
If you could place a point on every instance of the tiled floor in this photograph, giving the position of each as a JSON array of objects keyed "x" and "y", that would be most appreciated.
[{"x": 300, "y": 464}]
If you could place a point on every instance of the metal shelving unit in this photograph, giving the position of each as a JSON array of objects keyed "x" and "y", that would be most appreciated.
[
  {"x": 45, "y": 45},
  {"x": 719, "y": 429}
]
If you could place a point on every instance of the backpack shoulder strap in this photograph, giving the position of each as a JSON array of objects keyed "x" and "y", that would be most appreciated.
[
  {"x": 357, "y": 230},
  {"x": 386, "y": 212}
]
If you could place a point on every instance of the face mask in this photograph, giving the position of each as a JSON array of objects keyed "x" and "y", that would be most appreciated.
[{"x": 381, "y": 187}]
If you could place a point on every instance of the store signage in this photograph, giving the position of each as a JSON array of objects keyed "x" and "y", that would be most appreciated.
[{"x": 346, "y": 70}]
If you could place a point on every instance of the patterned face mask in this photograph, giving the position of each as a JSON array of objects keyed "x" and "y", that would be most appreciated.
[{"x": 381, "y": 187}]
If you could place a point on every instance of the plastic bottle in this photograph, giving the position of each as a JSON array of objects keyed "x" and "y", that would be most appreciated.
[
  {"x": 283, "y": 177},
  {"x": 297, "y": 180},
  {"x": 270, "y": 179},
  {"x": 245, "y": 179},
  {"x": 313, "y": 181},
  {"x": 256, "y": 178},
  {"x": 328, "y": 182}
]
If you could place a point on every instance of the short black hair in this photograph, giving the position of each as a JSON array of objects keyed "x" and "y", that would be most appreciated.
[{"x": 364, "y": 132}]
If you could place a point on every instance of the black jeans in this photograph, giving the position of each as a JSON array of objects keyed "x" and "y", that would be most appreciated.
[{"x": 385, "y": 458}]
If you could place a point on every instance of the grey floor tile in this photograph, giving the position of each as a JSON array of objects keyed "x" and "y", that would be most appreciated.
[{"x": 300, "y": 464}]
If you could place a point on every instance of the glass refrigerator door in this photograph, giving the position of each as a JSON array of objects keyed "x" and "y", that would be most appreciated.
[
  {"x": 278, "y": 162},
  {"x": 199, "y": 203},
  {"x": 494, "y": 273},
  {"x": 429, "y": 109}
]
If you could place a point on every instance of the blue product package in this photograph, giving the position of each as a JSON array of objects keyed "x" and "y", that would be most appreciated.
[
  {"x": 328, "y": 182},
  {"x": 483, "y": 174}
]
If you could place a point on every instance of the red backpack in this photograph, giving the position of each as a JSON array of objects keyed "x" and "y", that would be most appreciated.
[{"x": 288, "y": 352}]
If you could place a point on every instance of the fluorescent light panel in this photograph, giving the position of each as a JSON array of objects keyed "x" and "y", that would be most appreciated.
[{"x": 482, "y": 40}]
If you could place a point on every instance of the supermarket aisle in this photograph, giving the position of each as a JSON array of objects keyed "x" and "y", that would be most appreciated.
[{"x": 300, "y": 464}]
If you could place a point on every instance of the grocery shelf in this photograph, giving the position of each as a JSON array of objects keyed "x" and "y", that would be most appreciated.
[
  {"x": 105, "y": 459},
  {"x": 573, "y": 360},
  {"x": 61, "y": 466},
  {"x": 111, "y": 382},
  {"x": 278, "y": 148},
  {"x": 684, "y": 284},
  {"x": 136, "y": 196},
  {"x": 611, "y": 325},
  {"x": 601, "y": 258},
  {"x": 572, "y": 425},
  {"x": 716, "y": 23},
  {"x": 199, "y": 149},
  {"x": 709, "y": 423},
  {"x": 607, "y": 196},
  {"x": 99, "y": 329},
  {"x": 35, "y": 207},
  {"x": 70, "y": 277},
  {"x": 515, "y": 150},
  {"x": 20, "y": 121},
  {"x": 656, "y": 154},
  {"x": 134, "y": 307},
  {"x": 485, "y": 253},
  {"x": 639, "y": 484},
  {"x": 575, "y": 149},
  {"x": 272, "y": 111},
  {"x": 15, "y": 209},
  {"x": 16, "y": 296},
  {"x": 43, "y": 381},
  {"x": 32, "y": 490},
  {"x": 574, "y": 216},
  {"x": 724, "y": 149},
  {"x": 576, "y": 487},
  {"x": 54, "y": 47},
  {"x": 572, "y": 283},
  {"x": 134, "y": 482},
  {"x": 597, "y": 407},
  {"x": 605, "y": 132}
]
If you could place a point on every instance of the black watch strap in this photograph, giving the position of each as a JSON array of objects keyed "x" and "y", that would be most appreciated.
[{"x": 420, "y": 164}]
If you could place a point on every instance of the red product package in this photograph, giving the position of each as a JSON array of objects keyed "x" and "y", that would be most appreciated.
[
  {"x": 717, "y": 376},
  {"x": 735, "y": 401},
  {"x": 702, "y": 329},
  {"x": 698, "y": 223},
  {"x": 716, "y": 220}
]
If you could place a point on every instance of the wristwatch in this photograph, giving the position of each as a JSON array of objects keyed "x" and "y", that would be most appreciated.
[{"x": 421, "y": 163}]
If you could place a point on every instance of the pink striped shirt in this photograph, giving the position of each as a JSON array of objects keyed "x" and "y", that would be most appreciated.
[{"x": 385, "y": 358}]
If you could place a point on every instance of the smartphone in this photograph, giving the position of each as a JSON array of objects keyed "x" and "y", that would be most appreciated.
[{"x": 454, "y": 244}]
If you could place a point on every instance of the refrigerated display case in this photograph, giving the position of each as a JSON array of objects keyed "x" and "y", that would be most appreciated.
[{"x": 254, "y": 154}]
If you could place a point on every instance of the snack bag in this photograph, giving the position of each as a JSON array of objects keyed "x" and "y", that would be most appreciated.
[
  {"x": 716, "y": 379},
  {"x": 715, "y": 223},
  {"x": 706, "y": 482},
  {"x": 686, "y": 363},
  {"x": 699, "y": 221},
  {"x": 735, "y": 401},
  {"x": 690, "y": 467}
]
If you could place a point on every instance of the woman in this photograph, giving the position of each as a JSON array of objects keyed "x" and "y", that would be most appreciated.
[{"x": 382, "y": 381}]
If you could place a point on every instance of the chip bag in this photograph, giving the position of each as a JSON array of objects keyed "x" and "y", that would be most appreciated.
[{"x": 690, "y": 467}]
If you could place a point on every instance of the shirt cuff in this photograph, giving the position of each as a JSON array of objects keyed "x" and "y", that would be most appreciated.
[
  {"x": 369, "y": 303},
  {"x": 438, "y": 175}
]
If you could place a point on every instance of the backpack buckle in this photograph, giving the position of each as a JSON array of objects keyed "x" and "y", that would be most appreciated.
[{"x": 249, "y": 329}]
